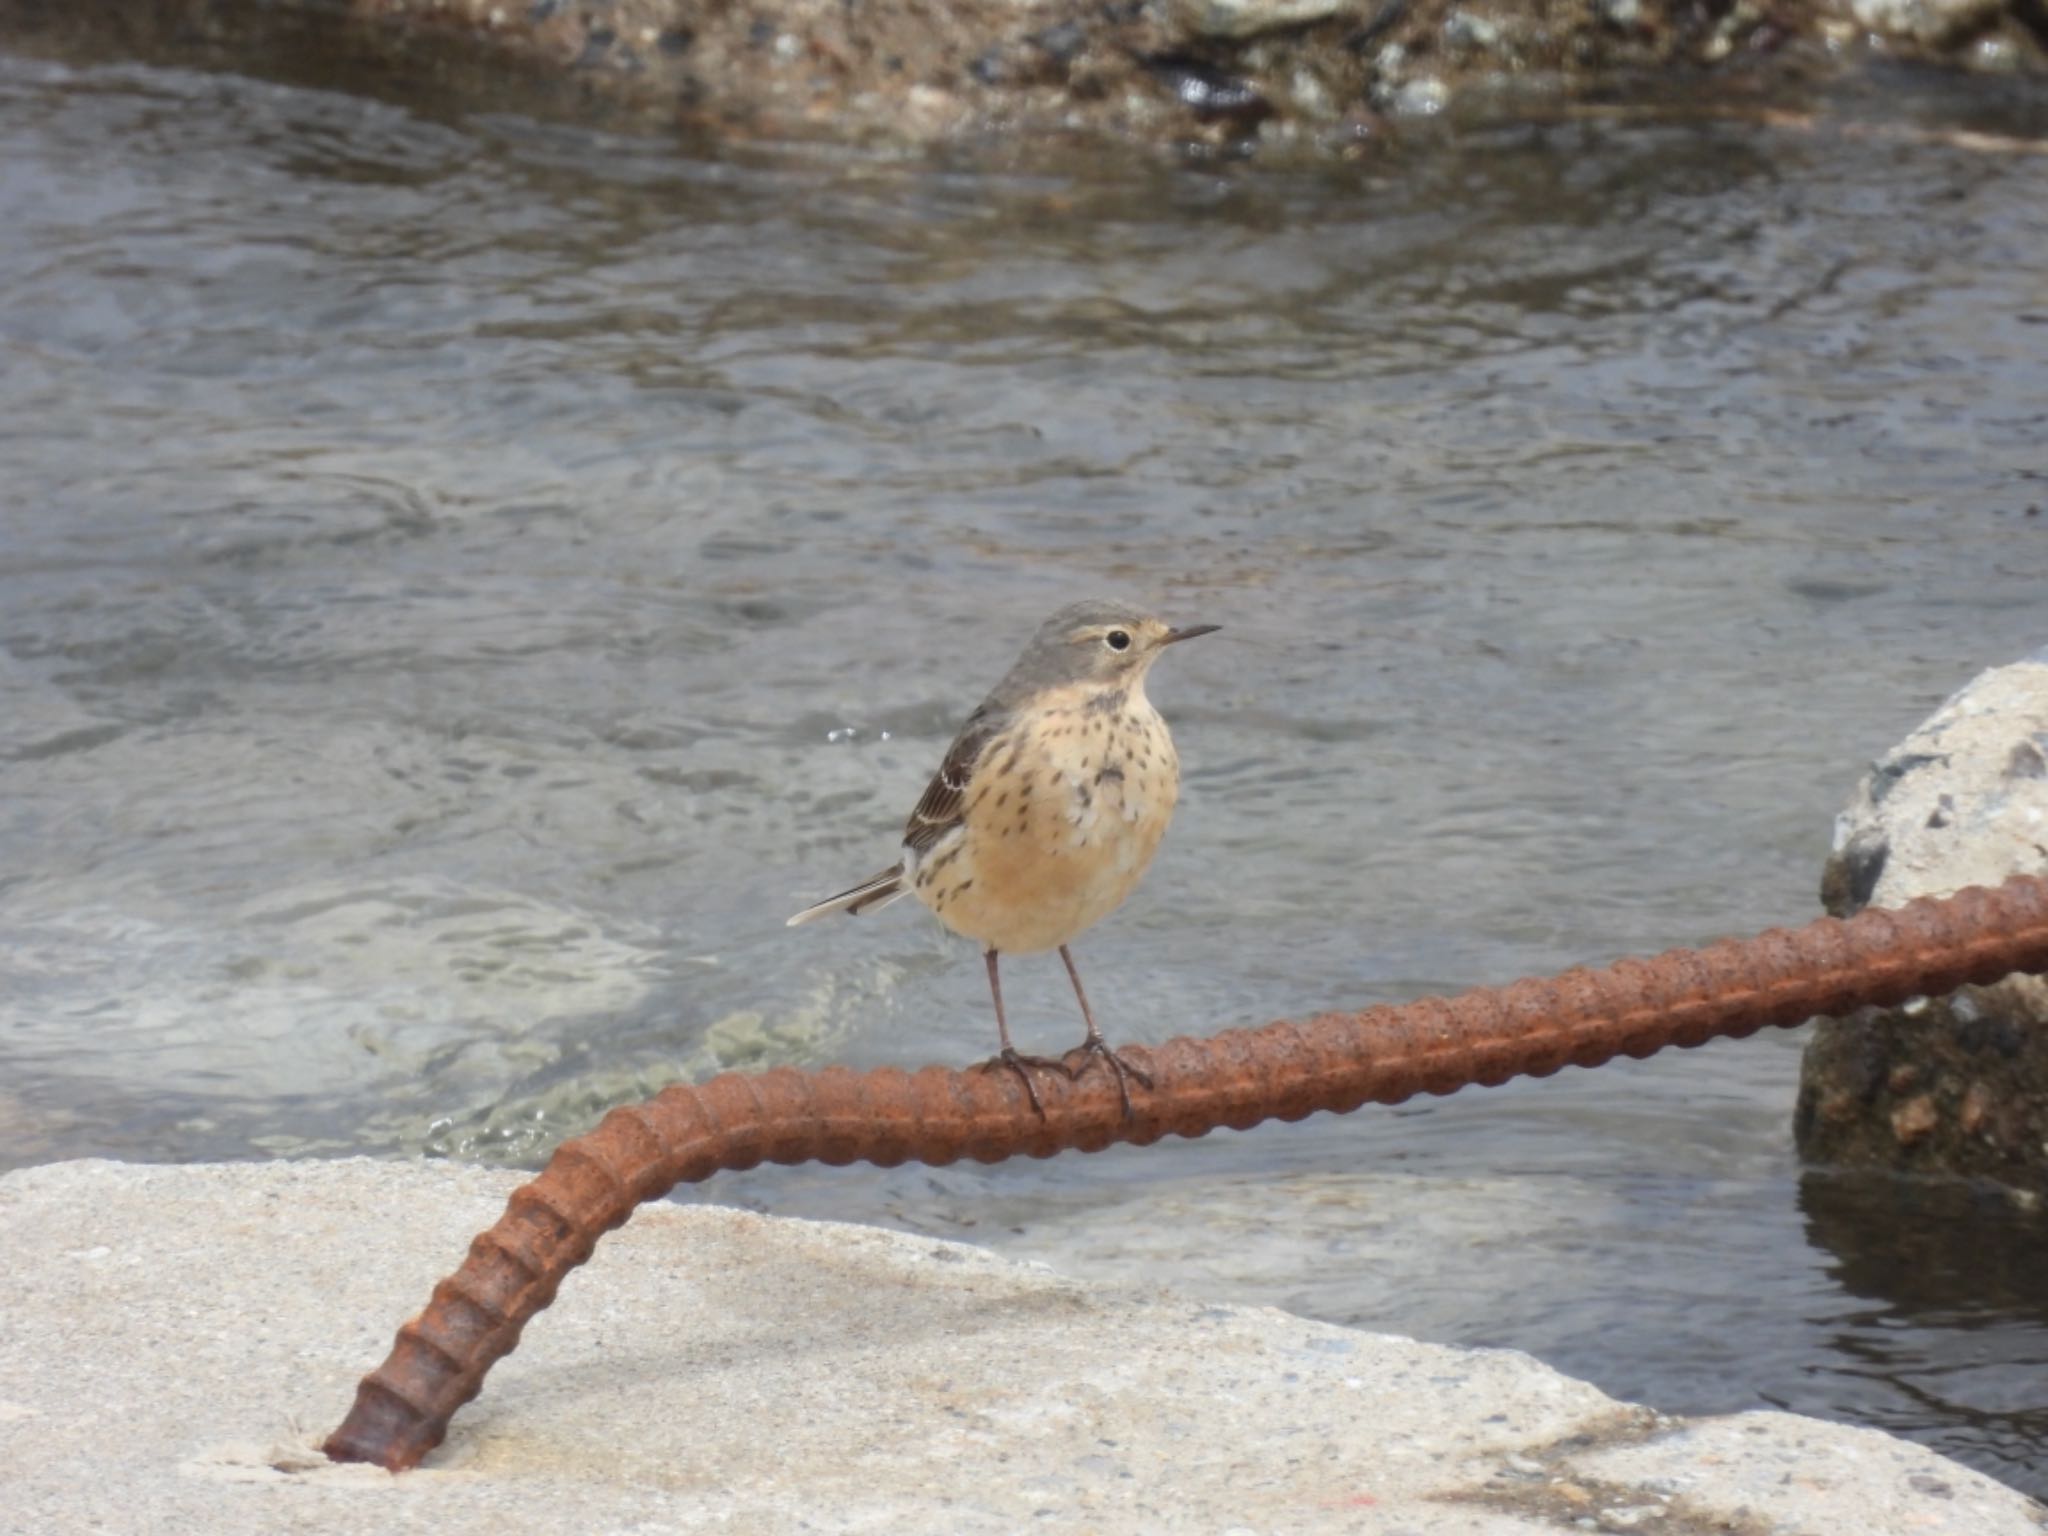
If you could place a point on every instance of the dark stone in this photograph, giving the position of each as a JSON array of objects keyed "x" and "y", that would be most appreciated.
[
  {"x": 1957, "y": 1086},
  {"x": 988, "y": 69},
  {"x": 1211, "y": 93},
  {"x": 2033, "y": 15},
  {"x": 1061, "y": 43},
  {"x": 596, "y": 43},
  {"x": 1087, "y": 85},
  {"x": 1851, "y": 876},
  {"x": 1805, "y": 1115},
  {"x": 1886, "y": 775},
  {"x": 1864, "y": 1063},
  {"x": 1381, "y": 22},
  {"x": 676, "y": 40},
  {"x": 543, "y": 9},
  {"x": 1995, "y": 1033}
]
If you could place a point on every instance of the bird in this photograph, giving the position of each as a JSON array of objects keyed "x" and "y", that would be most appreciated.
[{"x": 1046, "y": 811}]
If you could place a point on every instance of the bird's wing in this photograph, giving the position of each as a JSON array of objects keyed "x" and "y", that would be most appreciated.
[{"x": 945, "y": 798}]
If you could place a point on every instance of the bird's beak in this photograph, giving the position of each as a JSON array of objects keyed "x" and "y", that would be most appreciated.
[{"x": 1190, "y": 632}]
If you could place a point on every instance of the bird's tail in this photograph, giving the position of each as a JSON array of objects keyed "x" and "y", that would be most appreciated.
[{"x": 877, "y": 891}]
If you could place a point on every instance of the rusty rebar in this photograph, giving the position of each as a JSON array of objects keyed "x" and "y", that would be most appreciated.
[{"x": 1334, "y": 1061}]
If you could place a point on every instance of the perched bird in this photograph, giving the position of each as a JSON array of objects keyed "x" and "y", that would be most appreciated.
[{"x": 1047, "y": 810}]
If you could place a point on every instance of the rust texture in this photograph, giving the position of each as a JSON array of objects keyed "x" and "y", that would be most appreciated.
[{"x": 1334, "y": 1061}]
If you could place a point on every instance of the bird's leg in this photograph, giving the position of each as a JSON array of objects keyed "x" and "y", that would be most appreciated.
[
  {"x": 1009, "y": 1056},
  {"x": 1095, "y": 1046}
]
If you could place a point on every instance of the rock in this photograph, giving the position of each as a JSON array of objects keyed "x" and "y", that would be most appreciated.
[
  {"x": 1212, "y": 94},
  {"x": 1975, "y": 1113},
  {"x": 1914, "y": 1120},
  {"x": 1957, "y": 1085},
  {"x": 1937, "y": 23},
  {"x": 179, "y": 1339},
  {"x": 1424, "y": 96},
  {"x": 1062, "y": 43},
  {"x": 1046, "y": 68},
  {"x": 1232, "y": 19},
  {"x": 1468, "y": 32}
]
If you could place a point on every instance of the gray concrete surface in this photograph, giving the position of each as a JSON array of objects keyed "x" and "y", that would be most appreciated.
[{"x": 174, "y": 1341}]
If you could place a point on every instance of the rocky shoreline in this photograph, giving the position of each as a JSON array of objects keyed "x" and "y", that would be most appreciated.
[{"x": 1210, "y": 74}]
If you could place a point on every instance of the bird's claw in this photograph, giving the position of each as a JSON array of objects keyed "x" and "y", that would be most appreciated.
[
  {"x": 1017, "y": 1062},
  {"x": 1095, "y": 1048}
]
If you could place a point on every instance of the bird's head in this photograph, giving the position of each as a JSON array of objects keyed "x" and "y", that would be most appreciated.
[{"x": 1101, "y": 640}]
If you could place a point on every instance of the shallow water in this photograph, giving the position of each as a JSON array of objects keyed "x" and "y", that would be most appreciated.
[{"x": 463, "y": 582}]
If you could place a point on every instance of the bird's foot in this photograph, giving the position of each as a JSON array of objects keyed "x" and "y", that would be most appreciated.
[
  {"x": 1014, "y": 1060},
  {"x": 1094, "y": 1049}
]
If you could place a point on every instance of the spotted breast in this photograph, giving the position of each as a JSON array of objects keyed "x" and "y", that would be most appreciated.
[{"x": 1062, "y": 812}]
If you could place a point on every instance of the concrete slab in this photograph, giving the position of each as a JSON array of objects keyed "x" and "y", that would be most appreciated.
[{"x": 174, "y": 1341}]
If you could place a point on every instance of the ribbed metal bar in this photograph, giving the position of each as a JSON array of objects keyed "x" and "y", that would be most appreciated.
[{"x": 1334, "y": 1061}]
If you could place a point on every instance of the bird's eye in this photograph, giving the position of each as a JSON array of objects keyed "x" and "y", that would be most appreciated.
[{"x": 1117, "y": 640}]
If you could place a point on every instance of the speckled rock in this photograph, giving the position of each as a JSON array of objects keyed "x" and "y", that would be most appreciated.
[
  {"x": 178, "y": 1339},
  {"x": 1957, "y": 1085}
]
